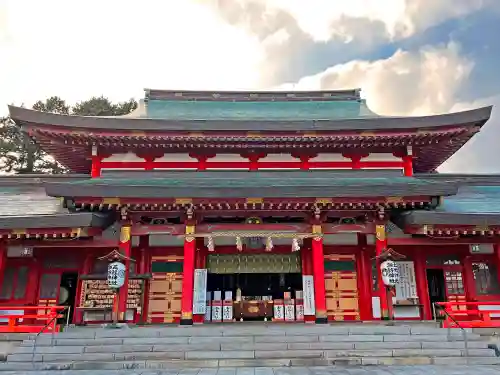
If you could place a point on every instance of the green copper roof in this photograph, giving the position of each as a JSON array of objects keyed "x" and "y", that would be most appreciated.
[
  {"x": 253, "y": 110},
  {"x": 473, "y": 199},
  {"x": 252, "y": 179},
  {"x": 217, "y": 184},
  {"x": 473, "y": 205}
]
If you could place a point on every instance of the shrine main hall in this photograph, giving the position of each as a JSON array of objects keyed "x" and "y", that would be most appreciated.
[{"x": 242, "y": 206}]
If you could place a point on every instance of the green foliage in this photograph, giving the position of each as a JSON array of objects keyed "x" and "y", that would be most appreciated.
[
  {"x": 53, "y": 104},
  {"x": 18, "y": 152},
  {"x": 101, "y": 106}
]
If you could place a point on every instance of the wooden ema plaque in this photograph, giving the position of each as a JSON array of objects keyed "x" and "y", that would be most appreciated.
[{"x": 96, "y": 294}]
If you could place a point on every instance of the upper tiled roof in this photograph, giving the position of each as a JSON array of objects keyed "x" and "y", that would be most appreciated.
[{"x": 251, "y": 110}]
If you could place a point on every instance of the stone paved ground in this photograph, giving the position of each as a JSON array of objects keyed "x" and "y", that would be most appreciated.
[{"x": 375, "y": 370}]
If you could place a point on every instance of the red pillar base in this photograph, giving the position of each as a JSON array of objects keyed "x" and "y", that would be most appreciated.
[
  {"x": 309, "y": 319},
  {"x": 198, "y": 319}
]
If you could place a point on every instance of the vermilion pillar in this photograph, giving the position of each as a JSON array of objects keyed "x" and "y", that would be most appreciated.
[
  {"x": 408, "y": 165},
  {"x": 380, "y": 246},
  {"x": 126, "y": 250},
  {"x": 200, "y": 263},
  {"x": 318, "y": 261},
  {"x": 422, "y": 286},
  {"x": 364, "y": 279},
  {"x": 188, "y": 277},
  {"x": 95, "y": 170}
]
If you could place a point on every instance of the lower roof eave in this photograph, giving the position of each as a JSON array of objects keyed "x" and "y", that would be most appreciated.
[
  {"x": 448, "y": 218},
  {"x": 69, "y": 220},
  {"x": 286, "y": 185}
]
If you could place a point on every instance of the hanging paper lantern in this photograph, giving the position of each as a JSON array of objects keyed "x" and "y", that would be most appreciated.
[
  {"x": 295, "y": 245},
  {"x": 210, "y": 244},
  {"x": 269, "y": 244},
  {"x": 116, "y": 275},
  {"x": 239, "y": 243},
  {"x": 390, "y": 273}
]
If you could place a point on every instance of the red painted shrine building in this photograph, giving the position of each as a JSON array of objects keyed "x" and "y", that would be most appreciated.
[{"x": 232, "y": 206}]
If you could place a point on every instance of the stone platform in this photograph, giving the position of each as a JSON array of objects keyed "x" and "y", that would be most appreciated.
[{"x": 161, "y": 348}]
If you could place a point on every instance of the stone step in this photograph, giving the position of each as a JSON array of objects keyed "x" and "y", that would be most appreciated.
[
  {"x": 249, "y": 330},
  {"x": 300, "y": 362},
  {"x": 246, "y": 340},
  {"x": 247, "y": 354},
  {"x": 323, "y": 345}
]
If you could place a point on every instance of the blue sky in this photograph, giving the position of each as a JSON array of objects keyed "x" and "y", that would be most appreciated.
[{"x": 410, "y": 57}]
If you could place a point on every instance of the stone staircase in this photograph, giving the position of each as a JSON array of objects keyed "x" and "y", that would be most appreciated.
[{"x": 249, "y": 345}]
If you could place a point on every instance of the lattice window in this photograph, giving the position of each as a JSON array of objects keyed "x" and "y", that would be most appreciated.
[
  {"x": 486, "y": 278},
  {"x": 454, "y": 282},
  {"x": 15, "y": 281}
]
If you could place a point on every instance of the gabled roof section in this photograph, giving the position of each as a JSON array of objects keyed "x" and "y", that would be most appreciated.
[
  {"x": 61, "y": 220},
  {"x": 473, "y": 205},
  {"x": 23, "y": 194},
  {"x": 254, "y": 105},
  {"x": 24, "y": 205}
]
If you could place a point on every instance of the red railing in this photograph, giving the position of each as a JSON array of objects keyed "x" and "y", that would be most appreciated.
[
  {"x": 469, "y": 314},
  {"x": 35, "y": 319}
]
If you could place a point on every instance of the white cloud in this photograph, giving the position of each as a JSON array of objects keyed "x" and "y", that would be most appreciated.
[
  {"x": 422, "y": 14},
  {"x": 407, "y": 83},
  {"x": 76, "y": 49},
  {"x": 326, "y": 19}
]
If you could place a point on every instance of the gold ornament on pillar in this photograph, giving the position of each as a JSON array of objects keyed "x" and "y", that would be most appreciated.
[
  {"x": 317, "y": 231},
  {"x": 190, "y": 231},
  {"x": 380, "y": 232},
  {"x": 125, "y": 233}
]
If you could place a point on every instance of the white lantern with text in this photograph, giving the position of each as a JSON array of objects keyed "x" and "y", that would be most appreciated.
[
  {"x": 116, "y": 275},
  {"x": 390, "y": 273}
]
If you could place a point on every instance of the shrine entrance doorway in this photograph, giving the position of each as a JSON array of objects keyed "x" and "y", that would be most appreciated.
[
  {"x": 67, "y": 294},
  {"x": 437, "y": 287},
  {"x": 254, "y": 287}
]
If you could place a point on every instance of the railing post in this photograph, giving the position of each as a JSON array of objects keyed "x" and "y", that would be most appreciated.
[
  {"x": 67, "y": 316},
  {"x": 466, "y": 343}
]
